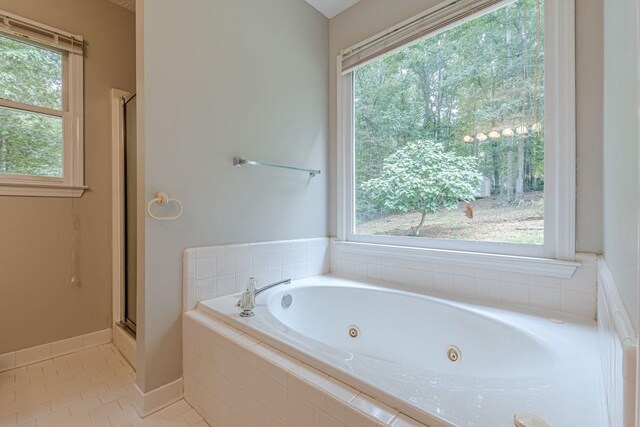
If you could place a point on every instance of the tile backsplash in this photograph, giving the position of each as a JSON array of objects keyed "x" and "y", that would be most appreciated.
[
  {"x": 574, "y": 296},
  {"x": 214, "y": 271}
]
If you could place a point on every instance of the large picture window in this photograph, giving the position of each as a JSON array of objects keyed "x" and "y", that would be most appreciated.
[
  {"x": 40, "y": 110},
  {"x": 446, "y": 135}
]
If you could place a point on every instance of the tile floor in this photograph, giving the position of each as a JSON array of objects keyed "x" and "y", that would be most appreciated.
[{"x": 92, "y": 387}]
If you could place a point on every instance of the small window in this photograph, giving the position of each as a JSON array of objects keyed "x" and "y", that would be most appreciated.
[{"x": 40, "y": 112}]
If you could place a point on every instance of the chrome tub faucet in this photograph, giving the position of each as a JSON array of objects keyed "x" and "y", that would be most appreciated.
[{"x": 248, "y": 298}]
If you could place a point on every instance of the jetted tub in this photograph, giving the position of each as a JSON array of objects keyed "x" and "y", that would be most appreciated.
[{"x": 442, "y": 362}]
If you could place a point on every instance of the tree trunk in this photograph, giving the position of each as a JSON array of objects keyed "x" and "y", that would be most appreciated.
[
  {"x": 495, "y": 157},
  {"x": 510, "y": 176},
  {"x": 520, "y": 180},
  {"x": 424, "y": 215}
]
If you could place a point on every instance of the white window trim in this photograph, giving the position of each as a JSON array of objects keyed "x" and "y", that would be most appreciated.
[
  {"x": 71, "y": 184},
  {"x": 559, "y": 232}
]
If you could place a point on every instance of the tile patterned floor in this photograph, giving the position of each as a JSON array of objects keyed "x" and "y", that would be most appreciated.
[{"x": 92, "y": 387}]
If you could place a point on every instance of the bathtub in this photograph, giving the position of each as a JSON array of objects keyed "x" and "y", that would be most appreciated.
[{"x": 441, "y": 362}]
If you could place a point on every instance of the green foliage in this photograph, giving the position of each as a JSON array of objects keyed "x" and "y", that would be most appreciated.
[
  {"x": 423, "y": 177},
  {"x": 30, "y": 143},
  {"x": 485, "y": 74}
]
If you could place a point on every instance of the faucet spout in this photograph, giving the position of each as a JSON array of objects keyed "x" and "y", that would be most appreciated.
[{"x": 248, "y": 298}]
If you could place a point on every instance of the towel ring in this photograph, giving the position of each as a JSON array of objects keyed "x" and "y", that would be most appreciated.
[{"x": 163, "y": 199}]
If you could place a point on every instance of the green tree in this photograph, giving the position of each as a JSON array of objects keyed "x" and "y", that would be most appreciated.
[
  {"x": 30, "y": 143},
  {"x": 423, "y": 177}
]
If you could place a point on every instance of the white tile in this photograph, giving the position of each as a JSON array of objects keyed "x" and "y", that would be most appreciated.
[
  {"x": 275, "y": 274},
  {"x": 374, "y": 271},
  {"x": 205, "y": 268},
  {"x": 209, "y": 251},
  {"x": 543, "y": 297},
  {"x": 423, "y": 279},
  {"x": 281, "y": 245},
  {"x": 389, "y": 273},
  {"x": 33, "y": 354},
  {"x": 225, "y": 265},
  {"x": 225, "y": 285},
  {"x": 259, "y": 247},
  {"x": 260, "y": 260},
  {"x": 205, "y": 289},
  {"x": 550, "y": 282},
  {"x": 360, "y": 269},
  {"x": 300, "y": 271},
  {"x": 244, "y": 262},
  {"x": 578, "y": 303},
  {"x": 439, "y": 268},
  {"x": 510, "y": 276},
  {"x": 338, "y": 390},
  {"x": 242, "y": 248},
  {"x": 68, "y": 345},
  {"x": 584, "y": 279},
  {"x": 404, "y": 421},
  {"x": 373, "y": 408},
  {"x": 300, "y": 254},
  {"x": 275, "y": 258},
  {"x": 316, "y": 268},
  {"x": 488, "y": 289},
  {"x": 464, "y": 286},
  {"x": 288, "y": 256},
  {"x": 287, "y": 271},
  {"x": 515, "y": 293},
  {"x": 442, "y": 282},
  {"x": 189, "y": 294}
]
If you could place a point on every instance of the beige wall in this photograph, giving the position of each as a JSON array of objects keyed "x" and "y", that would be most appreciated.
[
  {"x": 246, "y": 78},
  {"x": 621, "y": 149},
  {"x": 369, "y": 17},
  {"x": 37, "y": 302}
]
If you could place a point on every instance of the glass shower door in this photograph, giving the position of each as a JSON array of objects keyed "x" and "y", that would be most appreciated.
[{"x": 130, "y": 196}]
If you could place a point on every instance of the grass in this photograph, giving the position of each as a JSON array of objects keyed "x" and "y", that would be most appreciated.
[{"x": 493, "y": 221}]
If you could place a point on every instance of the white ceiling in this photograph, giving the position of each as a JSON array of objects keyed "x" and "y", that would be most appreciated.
[
  {"x": 331, "y": 8},
  {"x": 127, "y": 4}
]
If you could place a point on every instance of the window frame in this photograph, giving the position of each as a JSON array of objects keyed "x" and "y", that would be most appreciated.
[
  {"x": 71, "y": 183},
  {"x": 560, "y": 186}
]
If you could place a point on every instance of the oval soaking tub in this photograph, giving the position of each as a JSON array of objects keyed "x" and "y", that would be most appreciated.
[{"x": 439, "y": 361}]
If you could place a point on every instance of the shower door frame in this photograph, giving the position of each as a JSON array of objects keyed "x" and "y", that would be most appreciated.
[{"x": 117, "y": 205}]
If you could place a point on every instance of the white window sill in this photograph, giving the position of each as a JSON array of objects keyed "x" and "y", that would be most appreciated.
[
  {"x": 41, "y": 189},
  {"x": 517, "y": 264}
]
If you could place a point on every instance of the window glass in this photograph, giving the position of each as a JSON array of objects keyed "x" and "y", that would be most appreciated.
[
  {"x": 30, "y": 74},
  {"x": 30, "y": 143},
  {"x": 449, "y": 140}
]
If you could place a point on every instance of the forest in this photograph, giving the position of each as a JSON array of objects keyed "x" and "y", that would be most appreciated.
[
  {"x": 30, "y": 143},
  {"x": 475, "y": 91}
]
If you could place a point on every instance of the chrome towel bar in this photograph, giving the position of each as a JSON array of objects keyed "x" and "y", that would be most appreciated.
[{"x": 239, "y": 162}]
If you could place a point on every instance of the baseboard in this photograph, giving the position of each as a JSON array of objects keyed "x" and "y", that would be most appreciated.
[
  {"x": 27, "y": 356},
  {"x": 618, "y": 351},
  {"x": 154, "y": 400},
  {"x": 126, "y": 344}
]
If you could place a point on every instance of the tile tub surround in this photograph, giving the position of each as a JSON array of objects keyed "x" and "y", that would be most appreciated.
[
  {"x": 575, "y": 296},
  {"x": 214, "y": 271},
  {"x": 618, "y": 351},
  {"x": 16, "y": 359},
  {"x": 232, "y": 379}
]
